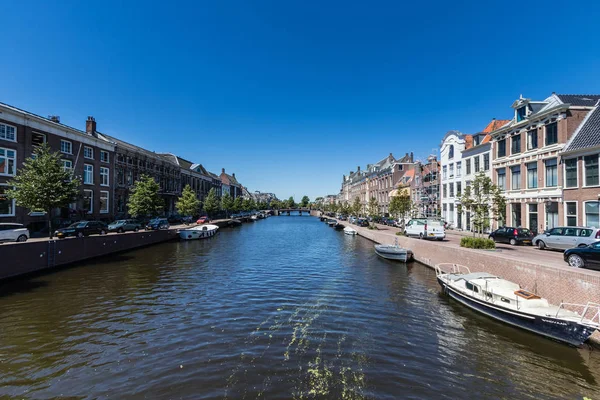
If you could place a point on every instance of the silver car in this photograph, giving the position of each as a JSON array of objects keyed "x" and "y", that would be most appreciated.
[
  {"x": 566, "y": 237},
  {"x": 10, "y": 232}
]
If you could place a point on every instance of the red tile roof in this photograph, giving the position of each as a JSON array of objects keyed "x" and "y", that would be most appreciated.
[{"x": 495, "y": 124}]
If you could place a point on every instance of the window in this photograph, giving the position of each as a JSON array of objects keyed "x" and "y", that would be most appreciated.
[
  {"x": 129, "y": 178},
  {"x": 66, "y": 147},
  {"x": 591, "y": 170},
  {"x": 501, "y": 172},
  {"x": 532, "y": 175},
  {"x": 516, "y": 214},
  {"x": 451, "y": 152},
  {"x": 451, "y": 212},
  {"x": 551, "y": 215},
  {"x": 7, "y": 206},
  {"x": 88, "y": 174},
  {"x": 88, "y": 200},
  {"x": 515, "y": 147},
  {"x": 571, "y": 207},
  {"x": 444, "y": 172},
  {"x": 451, "y": 170},
  {"x": 486, "y": 162},
  {"x": 104, "y": 156},
  {"x": 532, "y": 139},
  {"x": 104, "y": 176},
  {"x": 88, "y": 152},
  {"x": 551, "y": 173},
  {"x": 67, "y": 165},
  {"x": 8, "y": 132},
  {"x": 468, "y": 165},
  {"x": 444, "y": 191},
  {"x": 591, "y": 214},
  {"x": 8, "y": 161},
  {"x": 458, "y": 189},
  {"x": 458, "y": 169},
  {"x": 571, "y": 173},
  {"x": 476, "y": 162},
  {"x": 521, "y": 113},
  {"x": 551, "y": 134},
  {"x": 451, "y": 187},
  {"x": 533, "y": 217},
  {"x": 501, "y": 148},
  {"x": 515, "y": 182},
  {"x": 103, "y": 202},
  {"x": 37, "y": 138}
]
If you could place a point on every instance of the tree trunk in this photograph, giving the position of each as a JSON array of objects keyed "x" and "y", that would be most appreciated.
[{"x": 50, "y": 233}]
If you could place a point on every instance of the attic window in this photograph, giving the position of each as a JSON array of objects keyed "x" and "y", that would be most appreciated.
[
  {"x": 400, "y": 167},
  {"x": 476, "y": 140},
  {"x": 451, "y": 151},
  {"x": 521, "y": 113}
]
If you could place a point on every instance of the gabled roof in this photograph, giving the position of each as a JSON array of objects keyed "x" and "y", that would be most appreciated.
[
  {"x": 495, "y": 124},
  {"x": 587, "y": 135},
  {"x": 199, "y": 168},
  {"x": 579, "y": 100}
]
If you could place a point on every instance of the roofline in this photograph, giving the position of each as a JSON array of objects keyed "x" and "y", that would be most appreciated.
[
  {"x": 504, "y": 129},
  {"x": 581, "y": 125}
]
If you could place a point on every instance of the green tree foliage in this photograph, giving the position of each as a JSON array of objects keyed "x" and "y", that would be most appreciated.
[
  {"x": 344, "y": 208},
  {"x": 401, "y": 204},
  {"x": 188, "y": 203},
  {"x": 275, "y": 204},
  {"x": 249, "y": 205},
  {"x": 373, "y": 207},
  {"x": 144, "y": 199},
  {"x": 484, "y": 201},
  {"x": 227, "y": 203},
  {"x": 42, "y": 184},
  {"x": 305, "y": 201},
  {"x": 356, "y": 206},
  {"x": 238, "y": 204},
  {"x": 212, "y": 204},
  {"x": 291, "y": 203}
]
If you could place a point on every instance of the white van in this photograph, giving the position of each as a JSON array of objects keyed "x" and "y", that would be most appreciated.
[{"x": 425, "y": 228}]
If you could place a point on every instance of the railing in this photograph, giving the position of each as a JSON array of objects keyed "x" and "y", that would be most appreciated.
[
  {"x": 590, "y": 307},
  {"x": 451, "y": 268}
]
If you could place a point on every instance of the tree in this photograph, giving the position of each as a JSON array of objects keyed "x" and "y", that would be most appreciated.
[
  {"x": 304, "y": 202},
  {"x": 275, "y": 204},
  {"x": 227, "y": 203},
  {"x": 373, "y": 207},
  {"x": 238, "y": 204},
  {"x": 356, "y": 206},
  {"x": 483, "y": 201},
  {"x": 42, "y": 184},
  {"x": 401, "y": 204},
  {"x": 344, "y": 208},
  {"x": 144, "y": 199},
  {"x": 211, "y": 203},
  {"x": 248, "y": 205},
  {"x": 291, "y": 203},
  {"x": 188, "y": 204}
]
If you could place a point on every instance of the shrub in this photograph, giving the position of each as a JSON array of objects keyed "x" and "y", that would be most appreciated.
[{"x": 477, "y": 243}]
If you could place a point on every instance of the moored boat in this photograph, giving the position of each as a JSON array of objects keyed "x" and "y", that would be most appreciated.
[
  {"x": 331, "y": 222},
  {"x": 507, "y": 302},
  {"x": 349, "y": 231},
  {"x": 338, "y": 227},
  {"x": 393, "y": 252},
  {"x": 198, "y": 232}
]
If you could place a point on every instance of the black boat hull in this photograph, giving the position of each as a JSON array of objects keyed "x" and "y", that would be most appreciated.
[{"x": 568, "y": 332}]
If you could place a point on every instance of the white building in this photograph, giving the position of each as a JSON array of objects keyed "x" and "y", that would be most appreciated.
[{"x": 451, "y": 163}]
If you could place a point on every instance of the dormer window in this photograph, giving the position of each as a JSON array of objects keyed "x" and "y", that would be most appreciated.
[
  {"x": 476, "y": 140},
  {"x": 521, "y": 113},
  {"x": 451, "y": 151}
]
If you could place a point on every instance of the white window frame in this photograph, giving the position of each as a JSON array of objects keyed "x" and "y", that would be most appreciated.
[
  {"x": 458, "y": 169},
  {"x": 5, "y": 132},
  {"x": 107, "y": 202},
  {"x": 41, "y": 134},
  {"x": 566, "y": 215},
  {"x": 13, "y": 205},
  {"x": 583, "y": 175},
  {"x": 15, "y": 162},
  {"x": 546, "y": 173},
  {"x": 65, "y": 168},
  {"x": 107, "y": 156},
  {"x": 70, "y": 146},
  {"x": 564, "y": 163},
  {"x": 91, "y": 210},
  {"x": 91, "y": 150},
  {"x": 102, "y": 169},
  {"x": 585, "y": 214},
  {"x": 528, "y": 136},
  {"x": 85, "y": 174}
]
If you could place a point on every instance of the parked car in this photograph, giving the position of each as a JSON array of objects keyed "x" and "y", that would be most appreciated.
[
  {"x": 10, "y": 232},
  {"x": 352, "y": 219},
  {"x": 124, "y": 225},
  {"x": 157, "y": 223},
  {"x": 387, "y": 221},
  {"x": 513, "y": 236},
  {"x": 566, "y": 237},
  {"x": 82, "y": 228},
  {"x": 425, "y": 228},
  {"x": 203, "y": 220},
  {"x": 362, "y": 222},
  {"x": 584, "y": 257}
]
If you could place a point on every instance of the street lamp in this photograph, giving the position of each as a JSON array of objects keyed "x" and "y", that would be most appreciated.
[{"x": 548, "y": 205}]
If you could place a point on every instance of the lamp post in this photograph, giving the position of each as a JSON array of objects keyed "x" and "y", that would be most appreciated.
[{"x": 548, "y": 205}]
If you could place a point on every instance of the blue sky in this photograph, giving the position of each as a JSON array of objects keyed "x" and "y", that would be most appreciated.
[{"x": 291, "y": 95}]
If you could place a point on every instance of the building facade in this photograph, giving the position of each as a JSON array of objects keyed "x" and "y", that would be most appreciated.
[
  {"x": 526, "y": 158},
  {"x": 82, "y": 152},
  {"x": 451, "y": 150}
]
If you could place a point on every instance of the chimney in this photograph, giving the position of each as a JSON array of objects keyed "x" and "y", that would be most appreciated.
[
  {"x": 358, "y": 168},
  {"x": 90, "y": 126},
  {"x": 54, "y": 118},
  {"x": 222, "y": 170},
  {"x": 411, "y": 157},
  {"x": 233, "y": 174}
]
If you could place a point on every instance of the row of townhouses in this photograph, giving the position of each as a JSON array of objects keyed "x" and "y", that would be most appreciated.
[
  {"x": 545, "y": 160},
  {"x": 108, "y": 168}
]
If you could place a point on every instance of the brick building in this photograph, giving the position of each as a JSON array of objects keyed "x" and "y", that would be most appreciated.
[
  {"x": 230, "y": 184},
  {"x": 82, "y": 152}
]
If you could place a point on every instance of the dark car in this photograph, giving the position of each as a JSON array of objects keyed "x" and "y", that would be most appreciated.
[
  {"x": 157, "y": 223},
  {"x": 83, "y": 228},
  {"x": 124, "y": 225},
  {"x": 513, "y": 236},
  {"x": 584, "y": 257},
  {"x": 362, "y": 222}
]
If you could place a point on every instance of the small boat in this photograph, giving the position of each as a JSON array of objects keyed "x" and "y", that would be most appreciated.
[
  {"x": 350, "y": 231},
  {"x": 338, "y": 227},
  {"x": 507, "y": 302},
  {"x": 331, "y": 222},
  {"x": 234, "y": 222},
  {"x": 198, "y": 232},
  {"x": 393, "y": 252},
  {"x": 322, "y": 219},
  {"x": 254, "y": 217}
]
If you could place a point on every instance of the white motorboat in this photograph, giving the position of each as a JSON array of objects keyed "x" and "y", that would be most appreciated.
[
  {"x": 350, "y": 231},
  {"x": 393, "y": 252},
  {"x": 507, "y": 302},
  {"x": 198, "y": 232}
]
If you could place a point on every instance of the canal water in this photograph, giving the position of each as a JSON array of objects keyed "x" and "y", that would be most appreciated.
[{"x": 281, "y": 308}]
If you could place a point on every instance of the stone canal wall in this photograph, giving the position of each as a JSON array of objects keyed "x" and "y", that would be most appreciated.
[{"x": 34, "y": 256}]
